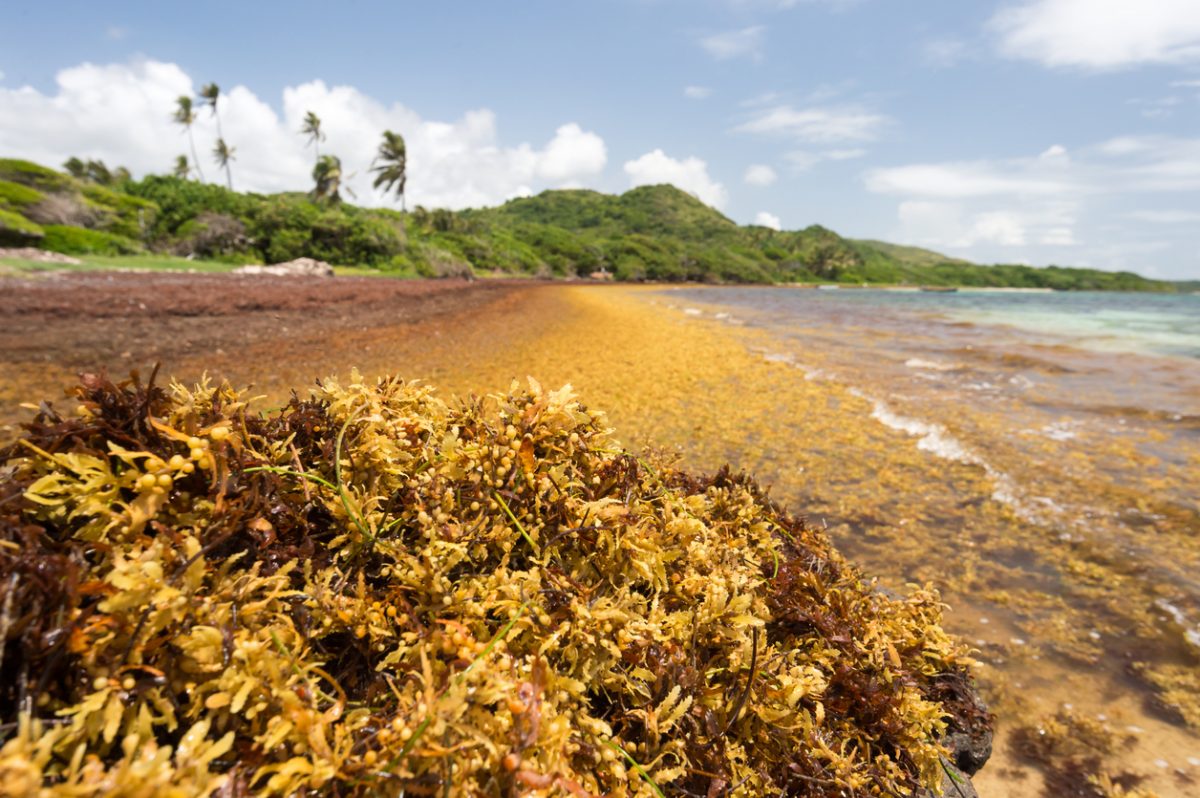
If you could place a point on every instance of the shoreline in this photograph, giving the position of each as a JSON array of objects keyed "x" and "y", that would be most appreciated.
[{"x": 713, "y": 392}]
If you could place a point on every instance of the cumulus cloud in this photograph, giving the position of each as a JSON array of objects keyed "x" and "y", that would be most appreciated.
[
  {"x": 760, "y": 175},
  {"x": 696, "y": 92},
  {"x": 1055, "y": 199},
  {"x": 122, "y": 114},
  {"x": 1100, "y": 34},
  {"x": 743, "y": 43},
  {"x": 816, "y": 125},
  {"x": 768, "y": 220},
  {"x": 690, "y": 174}
]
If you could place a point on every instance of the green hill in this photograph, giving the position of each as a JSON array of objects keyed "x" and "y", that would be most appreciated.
[{"x": 647, "y": 233}]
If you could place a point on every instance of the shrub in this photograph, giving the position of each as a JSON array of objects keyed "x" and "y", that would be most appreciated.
[
  {"x": 80, "y": 241},
  {"x": 28, "y": 173},
  {"x": 16, "y": 230},
  {"x": 121, "y": 213},
  {"x": 15, "y": 196},
  {"x": 212, "y": 235},
  {"x": 180, "y": 200}
]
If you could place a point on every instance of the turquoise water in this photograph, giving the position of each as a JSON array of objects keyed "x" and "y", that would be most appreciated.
[
  {"x": 1165, "y": 324},
  {"x": 1104, "y": 351}
]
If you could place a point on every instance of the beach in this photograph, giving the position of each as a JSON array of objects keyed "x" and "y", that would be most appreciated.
[{"x": 1027, "y": 479}]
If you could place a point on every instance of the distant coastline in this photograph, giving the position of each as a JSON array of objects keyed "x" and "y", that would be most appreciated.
[{"x": 651, "y": 233}]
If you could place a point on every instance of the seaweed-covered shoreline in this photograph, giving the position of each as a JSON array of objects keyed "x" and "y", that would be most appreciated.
[{"x": 375, "y": 590}]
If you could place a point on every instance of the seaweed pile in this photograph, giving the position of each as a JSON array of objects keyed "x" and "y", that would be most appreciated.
[{"x": 376, "y": 591}]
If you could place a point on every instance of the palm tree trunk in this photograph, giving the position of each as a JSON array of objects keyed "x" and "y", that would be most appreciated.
[
  {"x": 195, "y": 157},
  {"x": 228, "y": 176}
]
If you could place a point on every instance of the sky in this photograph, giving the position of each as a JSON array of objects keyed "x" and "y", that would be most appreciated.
[{"x": 1014, "y": 131}]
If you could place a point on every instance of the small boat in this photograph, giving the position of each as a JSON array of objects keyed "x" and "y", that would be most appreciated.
[
  {"x": 828, "y": 287},
  {"x": 939, "y": 289}
]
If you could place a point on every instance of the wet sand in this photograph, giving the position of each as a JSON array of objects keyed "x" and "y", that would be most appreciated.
[{"x": 715, "y": 392}]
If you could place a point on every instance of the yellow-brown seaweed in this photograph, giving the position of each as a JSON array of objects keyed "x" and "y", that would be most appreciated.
[{"x": 375, "y": 591}]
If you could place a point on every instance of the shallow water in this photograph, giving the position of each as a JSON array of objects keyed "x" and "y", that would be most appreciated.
[{"x": 1057, "y": 505}]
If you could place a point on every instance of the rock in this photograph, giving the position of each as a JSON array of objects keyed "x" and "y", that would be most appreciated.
[
  {"x": 300, "y": 267},
  {"x": 955, "y": 784},
  {"x": 38, "y": 255},
  {"x": 968, "y": 734}
]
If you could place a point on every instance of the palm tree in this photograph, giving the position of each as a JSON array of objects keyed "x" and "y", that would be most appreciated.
[
  {"x": 182, "y": 167},
  {"x": 185, "y": 115},
  {"x": 223, "y": 154},
  {"x": 211, "y": 92},
  {"x": 392, "y": 160},
  {"x": 327, "y": 175},
  {"x": 312, "y": 129}
]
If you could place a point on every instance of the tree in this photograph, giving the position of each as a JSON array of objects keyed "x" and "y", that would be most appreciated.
[
  {"x": 327, "y": 176},
  {"x": 223, "y": 154},
  {"x": 182, "y": 167},
  {"x": 75, "y": 168},
  {"x": 97, "y": 172},
  {"x": 211, "y": 92},
  {"x": 312, "y": 129},
  {"x": 185, "y": 115},
  {"x": 392, "y": 162}
]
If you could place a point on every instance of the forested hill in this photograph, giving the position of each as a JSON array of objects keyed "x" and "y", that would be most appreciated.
[{"x": 652, "y": 233}]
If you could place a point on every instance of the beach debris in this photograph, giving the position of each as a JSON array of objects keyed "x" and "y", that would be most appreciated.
[
  {"x": 300, "y": 267},
  {"x": 38, "y": 255},
  {"x": 377, "y": 591}
]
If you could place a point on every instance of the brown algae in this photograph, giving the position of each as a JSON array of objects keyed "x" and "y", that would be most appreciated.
[{"x": 376, "y": 591}]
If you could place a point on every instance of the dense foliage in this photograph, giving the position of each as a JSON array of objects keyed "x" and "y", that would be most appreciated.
[
  {"x": 648, "y": 233},
  {"x": 377, "y": 592}
]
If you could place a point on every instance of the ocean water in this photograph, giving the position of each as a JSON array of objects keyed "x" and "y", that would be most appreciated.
[{"x": 1037, "y": 455}]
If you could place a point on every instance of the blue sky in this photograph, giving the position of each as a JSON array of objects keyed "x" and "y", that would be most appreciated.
[{"x": 1040, "y": 131}]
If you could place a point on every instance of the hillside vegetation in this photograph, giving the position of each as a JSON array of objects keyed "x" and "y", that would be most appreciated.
[{"x": 648, "y": 233}]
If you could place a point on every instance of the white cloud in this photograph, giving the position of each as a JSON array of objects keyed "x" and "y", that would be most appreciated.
[
  {"x": 768, "y": 220},
  {"x": 817, "y": 125},
  {"x": 1055, "y": 152},
  {"x": 1114, "y": 204},
  {"x": 1100, "y": 34},
  {"x": 571, "y": 153},
  {"x": 743, "y": 43},
  {"x": 690, "y": 174},
  {"x": 696, "y": 92},
  {"x": 963, "y": 180},
  {"x": 948, "y": 224},
  {"x": 760, "y": 174},
  {"x": 122, "y": 114}
]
